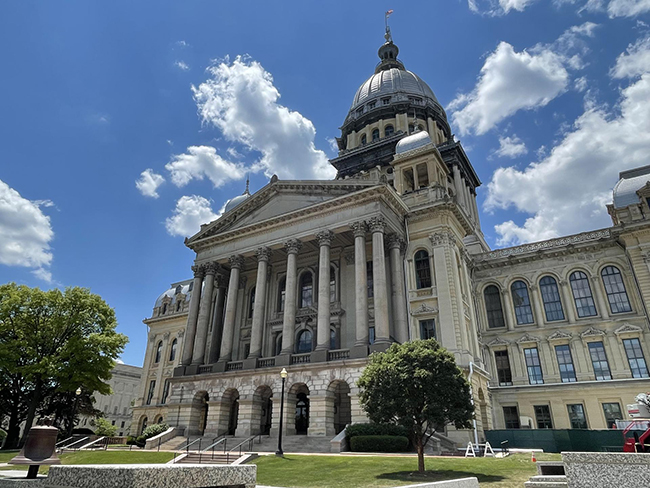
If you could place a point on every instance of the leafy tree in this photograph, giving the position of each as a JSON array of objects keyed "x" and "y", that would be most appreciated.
[
  {"x": 104, "y": 427},
  {"x": 52, "y": 342},
  {"x": 416, "y": 385}
]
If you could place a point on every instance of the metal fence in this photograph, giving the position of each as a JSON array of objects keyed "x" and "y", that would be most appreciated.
[{"x": 558, "y": 440}]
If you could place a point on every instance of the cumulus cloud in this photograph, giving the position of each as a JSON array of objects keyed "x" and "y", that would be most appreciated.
[
  {"x": 498, "y": 7},
  {"x": 634, "y": 62},
  {"x": 627, "y": 8},
  {"x": 149, "y": 182},
  {"x": 25, "y": 232},
  {"x": 241, "y": 101},
  {"x": 201, "y": 161},
  {"x": 614, "y": 8},
  {"x": 511, "y": 147},
  {"x": 190, "y": 212},
  {"x": 567, "y": 190},
  {"x": 511, "y": 81}
]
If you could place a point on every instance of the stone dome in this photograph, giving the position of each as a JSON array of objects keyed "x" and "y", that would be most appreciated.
[
  {"x": 233, "y": 202},
  {"x": 183, "y": 287},
  {"x": 417, "y": 139},
  {"x": 630, "y": 182}
]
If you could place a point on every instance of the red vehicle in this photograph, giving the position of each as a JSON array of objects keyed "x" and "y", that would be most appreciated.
[{"x": 636, "y": 442}]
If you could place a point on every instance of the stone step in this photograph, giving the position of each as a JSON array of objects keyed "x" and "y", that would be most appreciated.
[
  {"x": 547, "y": 481},
  {"x": 205, "y": 458}
]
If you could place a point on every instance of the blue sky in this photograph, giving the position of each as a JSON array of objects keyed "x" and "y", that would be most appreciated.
[{"x": 551, "y": 99}]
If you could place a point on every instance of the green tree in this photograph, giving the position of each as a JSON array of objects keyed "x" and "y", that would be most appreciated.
[
  {"x": 416, "y": 385},
  {"x": 53, "y": 342},
  {"x": 104, "y": 427}
]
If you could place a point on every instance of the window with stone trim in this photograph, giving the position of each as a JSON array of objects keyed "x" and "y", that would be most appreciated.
[
  {"x": 565, "y": 364},
  {"x": 521, "y": 302},
  {"x": 375, "y": 135},
  {"x": 615, "y": 288},
  {"x": 551, "y": 299},
  {"x": 371, "y": 335},
  {"x": 389, "y": 131},
  {"x": 612, "y": 413},
  {"x": 369, "y": 280},
  {"x": 165, "y": 394},
  {"x": 534, "y": 366},
  {"x": 599, "y": 361},
  {"x": 422, "y": 269},
  {"x": 251, "y": 303},
  {"x": 159, "y": 348},
  {"x": 333, "y": 338},
  {"x": 428, "y": 329},
  {"x": 635, "y": 358},
  {"x": 282, "y": 293},
  {"x": 504, "y": 373},
  {"x": 173, "y": 349},
  {"x": 332, "y": 284},
  {"x": 278, "y": 344},
  {"x": 152, "y": 387},
  {"x": 582, "y": 295},
  {"x": 306, "y": 290},
  {"x": 511, "y": 417},
  {"x": 543, "y": 416},
  {"x": 364, "y": 140},
  {"x": 304, "y": 343},
  {"x": 493, "y": 307},
  {"x": 577, "y": 416}
]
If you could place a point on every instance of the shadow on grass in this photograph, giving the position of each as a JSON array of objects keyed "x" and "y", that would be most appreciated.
[{"x": 438, "y": 475}]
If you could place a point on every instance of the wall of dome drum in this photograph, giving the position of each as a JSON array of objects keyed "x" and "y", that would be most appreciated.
[{"x": 625, "y": 191}]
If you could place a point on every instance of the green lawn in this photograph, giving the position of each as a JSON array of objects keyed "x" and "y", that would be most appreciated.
[{"x": 360, "y": 471}]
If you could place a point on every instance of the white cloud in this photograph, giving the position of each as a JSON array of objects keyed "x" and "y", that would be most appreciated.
[
  {"x": 518, "y": 5},
  {"x": 500, "y": 7},
  {"x": 149, "y": 182},
  {"x": 627, "y": 8},
  {"x": 182, "y": 65},
  {"x": 511, "y": 147},
  {"x": 25, "y": 232},
  {"x": 200, "y": 161},
  {"x": 43, "y": 274},
  {"x": 566, "y": 192},
  {"x": 634, "y": 62},
  {"x": 580, "y": 84},
  {"x": 241, "y": 100},
  {"x": 190, "y": 212}
]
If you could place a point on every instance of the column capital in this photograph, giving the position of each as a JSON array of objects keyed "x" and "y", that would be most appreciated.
[
  {"x": 563, "y": 282},
  {"x": 293, "y": 246},
  {"x": 199, "y": 272},
  {"x": 325, "y": 237},
  {"x": 359, "y": 229},
  {"x": 533, "y": 287},
  {"x": 263, "y": 253},
  {"x": 220, "y": 281},
  {"x": 442, "y": 238},
  {"x": 236, "y": 261},
  {"x": 394, "y": 241},
  {"x": 377, "y": 224},
  {"x": 211, "y": 268}
]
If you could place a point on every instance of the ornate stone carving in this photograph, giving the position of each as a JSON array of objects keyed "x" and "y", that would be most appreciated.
[
  {"x": 181, "y": 333},
  {"x": 325, "y": 237},
  {"x": 527, "y": 338},
  {"x": 359, "y": 229},
  {"x": 211, "y": 268},
  {"x": 442, "y": 238},
  {"x": 627, "y": 328},
  {"x": 377, "y": 224},
  {"x": 394, "y": 241},
  {"x": 263, "y": 253},
  {"x": 220, "y": 281},
  {"x": 533, "y": 287},
  {"x": 497, "y": 341},
  {"x": 424, "y": 309},
  {"x": 236, "y": 261},
  {"x": 349, "y": 258},
  {"x": 293, "y": 246},
  {"x": 166, "y": 335},
  {"x": 591, "y": 332},
  {"x": 558, "y": 335},
  {"x": 199, "y": 272}
]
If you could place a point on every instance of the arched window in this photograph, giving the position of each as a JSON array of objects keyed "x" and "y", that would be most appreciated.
[
  {"x": 306, "y": 290},
  {"x": 422, "y": 269},
  {"x": 364, "y": 140},
  {"x": 333, "y": 339},
  {"x": 582, "y": 294},
  {"x": 251, "y": 303},
  {"x": 304, "y": 343},
  {"x": 278, "y": 344},
  {"x": 493, "y": 307},
  {"x": 551, "y": 299},
  {"x": 144, "y": 424},
  {"x": 375, "y": 135},
  {"x": 282, "y": 293},
  {"x": 172, "y": 351},
  {"x": 164, "y": 308},
  {"x": 332, "y": 284},
  {"x": 615, "y": 288},
  {"x": 158, "y": 352},
  {"x": 389, "y": 131},
  {"x": 521, "y": 301}
]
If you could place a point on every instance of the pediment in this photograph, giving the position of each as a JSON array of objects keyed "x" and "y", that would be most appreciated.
[
  {"x": 627, "y": 328},
  {"x": 592, "y": 331},
  {"x": 558, "y": 335},
  {"x": 424, "y": 309},
  {"x": 498, "y": 341},
  {"x": 527, "y": 338}
]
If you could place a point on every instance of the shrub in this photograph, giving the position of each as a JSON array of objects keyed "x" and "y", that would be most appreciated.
[
  {"x": 375, "y": 429},
  {"x": 154, "y": 430},
  {"x": 104, "y": 428},
  {"x": 379, "y": 443},
  {"x": 130, "y": 441},
  {"x": 140, "y": 441}
]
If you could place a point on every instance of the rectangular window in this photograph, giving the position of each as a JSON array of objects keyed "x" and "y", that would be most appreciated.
[
  {"x": 152, "y": 387},
  {"x": 123, "y": 423},
  {"x": 113, "y": 422},
  {"x": 543, "y": 417},
  {"x": 503, "y": 368},
  {"x": 612, "y": 414},
  {"x": 577, "y": 416},
  {"x": 371, "y": 335},
  {"x": 635, "y": 357},
  {"x": 599, "y": 361},
  {"x": 511, "y": 417},
  {"x": 165, "y": 392},
  {"x": 371, "y": 292},
  {"x": 428, "y": 329},
  {"x": 565, "y": 362},
  {"x": 535, "y": 376}
]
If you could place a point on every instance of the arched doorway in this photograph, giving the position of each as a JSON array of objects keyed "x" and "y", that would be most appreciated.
[
  {"x": 297, "y": 406},
  {"x": 201, "y": 408},
  {"x": 302, "y": 413},
  {"x": 143, "y": 424},
  {"x": 340, "y": 405},
  {"x": 263, "y": 406},
  {"x": 231, "y": 398}
]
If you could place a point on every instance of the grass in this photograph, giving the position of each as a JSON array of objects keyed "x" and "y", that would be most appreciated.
[
  {"x": 97, "y": 457},
  {"x": 361, "y": 471}
]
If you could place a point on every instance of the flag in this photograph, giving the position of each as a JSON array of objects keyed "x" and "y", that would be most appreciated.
[{"x": 389, "y": 12}]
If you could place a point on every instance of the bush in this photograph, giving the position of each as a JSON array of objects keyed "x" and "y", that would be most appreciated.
[
  {"x": 375, "y": 429},
  {"x": 140, "y": 441},
  {"x": 104, "y": 428},
  {"x": 130, "y": 441},
  {"x": 154, "y": 430},
  {"x": 379, "y": 443}
]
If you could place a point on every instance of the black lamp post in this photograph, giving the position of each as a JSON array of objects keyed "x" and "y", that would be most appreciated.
[
  {"x": 74, "y": 411},
  {"x": 283, "y": 375}
]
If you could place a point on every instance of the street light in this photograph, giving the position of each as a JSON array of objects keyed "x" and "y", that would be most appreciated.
[
  {"x": 74, "y": 412},
  {"x": 283, "y": 375}
]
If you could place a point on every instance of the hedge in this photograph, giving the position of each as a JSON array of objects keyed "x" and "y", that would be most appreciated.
[
  {"x": 375, "y": 429},
  {"x": 379, "y": 443},
  {"x": 154, "y": 430}
]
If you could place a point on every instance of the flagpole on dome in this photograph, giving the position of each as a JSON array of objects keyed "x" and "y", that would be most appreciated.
[{"x": 388, "y": 36}]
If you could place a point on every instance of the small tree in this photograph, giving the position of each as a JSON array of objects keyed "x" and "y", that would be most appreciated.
[
  {"x": 104, "y": 427},
  {"x": 416, "y": 385}
]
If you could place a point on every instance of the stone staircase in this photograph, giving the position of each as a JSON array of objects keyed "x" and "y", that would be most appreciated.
[
  {"x": 173, "y": 443},
  {"x": 547, "y": 481}
]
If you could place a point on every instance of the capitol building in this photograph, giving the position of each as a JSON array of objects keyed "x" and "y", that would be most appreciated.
[{"x": 315, "y": 275}]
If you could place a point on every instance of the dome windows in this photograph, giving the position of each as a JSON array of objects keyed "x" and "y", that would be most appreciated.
[
  {"x": 372, "y": 105},
  {"x": 385, "y": 101},
  {"x": 375, "y": 135},
  {"x": 364, "y": 140},
  {"x": 389, "y": 131}
]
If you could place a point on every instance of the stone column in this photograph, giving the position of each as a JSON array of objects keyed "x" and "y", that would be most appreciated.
[
  {"x": 263, "y": 255},
  {"x": 458, "y": 185},
  {"x": 204, "y": 315},
  {"x": 568, "y": 302},
  {"x": 192, "y": 316},
  {"x": 225, "y": 354},
  {"x": 360, "y": 288},
  {"x": 323, "y": 329},
  {"x": 217, "y": 327},
  {"x": 382, "y": 329},
  {"x": 506, "y": 302},
  {"x": 400, "y": 318},
  {"x": 597, "y": 291},
  {"x": 536, "y": 299},
  {"x": 290, "y": 298}
]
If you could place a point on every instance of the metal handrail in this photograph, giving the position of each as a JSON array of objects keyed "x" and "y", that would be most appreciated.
[
  {"x": 186, "y": 447},
  {"x": 250, "y": 441},
  {"x": 219, "y": 440},
  {"x": 76, "y": 442},
  {"x": 64, "y": 440}
]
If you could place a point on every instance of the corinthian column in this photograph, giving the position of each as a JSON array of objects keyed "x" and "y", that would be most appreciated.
[
  {"x": 217, "y": 327},
  {"x": 361, "y": 283},
  {"x": 263, "y": 255},
  {"x": 323, "y": 329},
  {"x": 382, "y": 328},
  {"x": 192, "y": 316},
  {"x": 290, "y": 299},
  {"x": 400, "y": 320},
  {"x": 225, "y": 354},
  {"x": 204, "y": 315}
]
